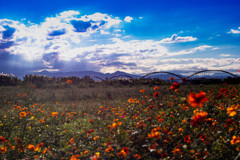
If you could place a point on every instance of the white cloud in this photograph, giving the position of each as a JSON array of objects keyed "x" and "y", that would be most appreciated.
[
  {"x": 104, "y": 32},
  {"x": 99, "y": 17},
  {"x": 233, "y": 31},
  {"x": 225, "y": 55},
  {"x": 177, "y": 39},
  {"x": 192, "y": 50},
  {"x": 128, "y": 19},
  {"x": 215, "y": 48},
  {"x": 70, "y": 13}
]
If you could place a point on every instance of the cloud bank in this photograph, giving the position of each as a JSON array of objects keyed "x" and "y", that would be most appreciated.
[{"x": 70, "y": 41}]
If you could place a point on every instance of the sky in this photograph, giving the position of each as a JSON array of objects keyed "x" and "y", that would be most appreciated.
[{"x": 131, "y": 36}]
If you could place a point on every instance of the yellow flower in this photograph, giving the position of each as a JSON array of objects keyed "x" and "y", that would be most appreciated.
[{"x": 97, "y": 154}]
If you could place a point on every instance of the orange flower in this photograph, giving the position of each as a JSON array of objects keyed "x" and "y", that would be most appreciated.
[
  {"x": 198, "y": 118},
  {"x": 69, "y": 81},
  {"x": 156, "y": 88},
  {"x": 3, "y": 149},
  {"x": 197, "y": 100},
  {"x": 96, "y": 137},
  {"x": 232, "y": 110},
  {"x": 54, "y": 114},
  {"x": 36, "y": 157},
  {"x": 180, "y": 129},
  {"x": 141, "y": 125},
  {"x": 31, "y": 147},
  {"x": 109, "y": 149},
  {"x": 154, "y": 134},
  {"x": 22, "y": 114},
  {"x": 176, "y": 150},
  {"x": 142, "y": 90},
  {"x": 123, "y": 153},
  {"x": 75, "y": 157},
  {"x": 184, "y": 121},
  {"x": 235, "y": 140},
  {"x": 72, "y": 141},
  {"x": 137, "y": 156}
]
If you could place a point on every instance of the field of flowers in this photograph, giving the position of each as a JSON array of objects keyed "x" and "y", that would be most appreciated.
[{"x": 170, "y": 122}]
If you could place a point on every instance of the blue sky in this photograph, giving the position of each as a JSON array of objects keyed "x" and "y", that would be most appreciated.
[{"x": 107, "y": 36}]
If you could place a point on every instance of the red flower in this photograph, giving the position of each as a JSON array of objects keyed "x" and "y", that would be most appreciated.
[
  {"x": 171, "y": 78},
  {"x": 2, "y": 139},
  {"x": 174, "y": 86},
  {"x": 223, "y": 90},
  {"x": 187, "y": 139},
  {"x": 197, "y": 100},
  {"x": 126, "y": 150},
  {"x": 90, "y": 131},
  {"x": 155, "y": 94}
]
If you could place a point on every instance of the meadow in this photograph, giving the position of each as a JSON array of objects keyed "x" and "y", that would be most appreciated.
[{"x": 165, "y": 121}]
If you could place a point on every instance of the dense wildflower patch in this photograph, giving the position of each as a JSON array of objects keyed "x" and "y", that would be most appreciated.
[{"x": 178, "y": 125}]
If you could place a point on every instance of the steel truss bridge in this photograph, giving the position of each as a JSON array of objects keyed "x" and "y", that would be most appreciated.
[{"x": 164, "y": 75}]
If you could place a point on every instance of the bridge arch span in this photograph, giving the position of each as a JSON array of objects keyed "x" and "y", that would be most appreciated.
[
  {"x": 144, "y": 76},
  {"x": 212, "y": 70},
  {"x": 121, "y": 76},
  {"x": 97, "y": 78}
]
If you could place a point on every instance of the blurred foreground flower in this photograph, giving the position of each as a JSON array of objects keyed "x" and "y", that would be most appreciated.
[{"x": 197, "y": 100}]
